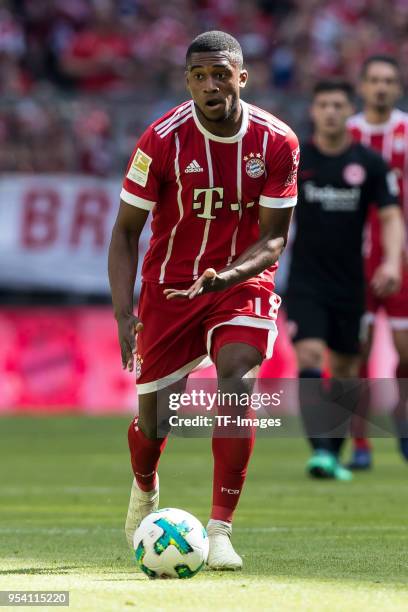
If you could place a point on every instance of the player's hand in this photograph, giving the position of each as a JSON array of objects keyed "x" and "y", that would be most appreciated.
[
  {"x": 386, "y": 279},
  {"x": 128, "y": 327},
  {"x": 208, "y": 281}
]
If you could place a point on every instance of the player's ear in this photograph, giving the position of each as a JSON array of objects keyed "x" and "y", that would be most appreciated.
[
  {"x": 186, "y": 80},
  {"x": 243, "y": 78}
]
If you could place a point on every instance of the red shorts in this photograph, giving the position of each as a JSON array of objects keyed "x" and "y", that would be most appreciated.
[
  {"x": 395, "y": 305},
  {"x": 180, "y": 335}
]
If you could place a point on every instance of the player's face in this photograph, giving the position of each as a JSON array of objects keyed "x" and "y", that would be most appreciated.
[
  {"x": 214, "y": 83},
  {"x": 330, "y": 111},
  {"x": 380, "y": 87}
]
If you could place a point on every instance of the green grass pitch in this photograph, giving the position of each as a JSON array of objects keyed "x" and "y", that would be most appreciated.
[{"x": 306, "y": 545}]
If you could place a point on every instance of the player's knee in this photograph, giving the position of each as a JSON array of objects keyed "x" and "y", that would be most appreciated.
[
  {"x": 400, "y": 341},
  {"x": 345, "y": 370},
  {"x": 155, "y": 430},
  {"x": 365, "y": 350},
  {"x": 148, "y": 420},
  {"x": 149, "y": 429},
  {"x": 309, "y": 356},
  {"x": 402, "y": 352},
  {"x": 239, "y": 362}
]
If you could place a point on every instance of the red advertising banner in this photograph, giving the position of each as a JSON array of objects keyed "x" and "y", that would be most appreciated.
[{"x": 59, "y": 359}]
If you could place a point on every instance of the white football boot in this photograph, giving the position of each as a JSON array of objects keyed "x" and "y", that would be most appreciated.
[
  {"x": 141, "y": 504},
  {"x": 221, "y": 556}
]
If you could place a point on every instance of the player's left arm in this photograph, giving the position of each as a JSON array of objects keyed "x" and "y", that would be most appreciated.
[
  {"x": 387, "y": 277},
  {"x": 275, "y": 213}
]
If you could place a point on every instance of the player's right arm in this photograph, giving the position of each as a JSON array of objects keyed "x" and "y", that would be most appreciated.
[
  {"x": 122, "y": 267},
  {"x": 139, "y": 195}
]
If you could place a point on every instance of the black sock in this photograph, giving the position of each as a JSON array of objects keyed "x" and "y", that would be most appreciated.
[
  {"x": 343, "y": 395},
  {"x": 313, "y": 414},
  {"x": 400, "y": 412},
  {"x": 337, "y": 445}
]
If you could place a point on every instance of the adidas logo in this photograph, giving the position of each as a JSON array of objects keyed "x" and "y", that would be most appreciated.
[{"x": 193, "y": 166}]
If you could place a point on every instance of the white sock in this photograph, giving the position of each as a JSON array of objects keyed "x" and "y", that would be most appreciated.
[
  {"x": 216, "y": 523},
  {"x": 146, "y": 494}
]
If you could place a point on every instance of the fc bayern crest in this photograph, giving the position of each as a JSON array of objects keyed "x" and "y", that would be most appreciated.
[
  {"x": 255, "y": 166},
  {"x": 354, "y": 174}
]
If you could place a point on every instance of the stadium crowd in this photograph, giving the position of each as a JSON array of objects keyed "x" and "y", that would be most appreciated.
[{"x": 73, "y": 73}]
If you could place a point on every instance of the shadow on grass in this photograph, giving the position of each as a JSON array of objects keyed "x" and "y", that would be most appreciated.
[
  {"x": 39, "y": 570},
  {"x": 135, "y": 576}
]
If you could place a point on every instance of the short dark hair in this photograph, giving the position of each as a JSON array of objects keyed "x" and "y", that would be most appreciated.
[
  {"x": 334, "y": 85},
  {"x": 216, "y": 40},
  {"x": 372, "y": 59}
]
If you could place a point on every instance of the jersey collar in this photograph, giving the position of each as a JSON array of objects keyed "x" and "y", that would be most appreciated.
[{"x": 227, "y": 139}]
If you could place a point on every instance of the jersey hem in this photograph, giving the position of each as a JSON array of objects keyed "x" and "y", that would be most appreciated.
[
  {"x": 396, "y": 323},
  {"x": 162, "y": 383},
  {"x": 247, "y": 321}
]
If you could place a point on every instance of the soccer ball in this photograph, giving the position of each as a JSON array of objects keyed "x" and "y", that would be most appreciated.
[{"x": 170, "y": 543}]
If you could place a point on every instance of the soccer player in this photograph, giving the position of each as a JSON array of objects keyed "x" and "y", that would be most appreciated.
[
  {"x": 338, "y": 179},
  {"x": 384, "y": 128},
  {"x": 219, "y": 176}
]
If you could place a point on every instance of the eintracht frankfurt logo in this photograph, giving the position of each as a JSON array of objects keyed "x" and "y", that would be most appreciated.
[
  {"x": 255, "y": 166},
  {"x": 354, "y": 174}
]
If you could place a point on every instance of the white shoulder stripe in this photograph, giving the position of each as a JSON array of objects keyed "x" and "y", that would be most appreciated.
[
  {"x": 180, "y": 210},
  {"x": 267, "y": 124},
  {"x": 277, "y": 125},
  {"x": 180, "y": 111},
  {"x": 175, "y": 118},
  {"x": 173, "y": 126},
  {"x": 269, "y": 118},
  {"x": 265, "y": 144}
]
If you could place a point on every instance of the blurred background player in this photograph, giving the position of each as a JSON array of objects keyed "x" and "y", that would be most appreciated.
[
  {"x": 338, "y": 179},
  {"x": 219, "y": 176},
  {"x": 384, "y": 128}
]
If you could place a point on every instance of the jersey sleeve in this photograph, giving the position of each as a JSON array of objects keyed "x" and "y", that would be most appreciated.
[
  {"x": 384, "y": 187},
  {"x": 142, "y": 179},
  {"x": 280, "y": 189}
]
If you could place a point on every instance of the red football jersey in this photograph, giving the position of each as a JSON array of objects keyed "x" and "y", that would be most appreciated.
[
  {"x": 390, "y": 139},
  {"x": 204, "y": 190}
]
